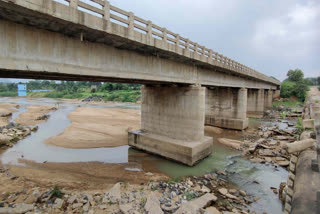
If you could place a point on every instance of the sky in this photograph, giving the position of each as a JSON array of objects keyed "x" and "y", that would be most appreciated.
[{"x": 270, "y": 36}]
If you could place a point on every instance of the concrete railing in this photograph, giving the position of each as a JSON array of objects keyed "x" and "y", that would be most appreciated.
[{"x": 103, "y": 9}]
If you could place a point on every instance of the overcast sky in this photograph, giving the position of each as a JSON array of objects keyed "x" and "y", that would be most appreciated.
[{"x": 270, "y": 36}]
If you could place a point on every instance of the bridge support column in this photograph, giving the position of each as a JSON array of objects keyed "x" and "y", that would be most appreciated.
[
  {"x": 227, "y": 108},
  {"x": 255, "y": 103},
  {"x": 172, "y": 123},
  {"x": 268, "y": 96},
  {"x": 276, "y": 94}
]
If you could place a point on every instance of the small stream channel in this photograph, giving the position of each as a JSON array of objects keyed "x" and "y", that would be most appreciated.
[{"x": 243, "y": 173}]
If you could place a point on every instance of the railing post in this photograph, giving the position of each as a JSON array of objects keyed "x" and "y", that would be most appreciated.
[
  {"x": 203, "y": 57},
  {"x": 131, "y": 25},
  {"x": 106, "y": 15},
  {"x": 165, "y": 38},
  {"x": 74, "y": 3},
  {"x": 106, "y": 8},
  {"x": 196, "y": 48},
  {"x": 177, "y": 42},
  {"x": 210, "y": 56},
  {"x": 149, "y": 32}
]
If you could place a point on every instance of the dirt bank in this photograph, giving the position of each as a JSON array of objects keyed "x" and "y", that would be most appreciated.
[
  {"x": 6, "y": 109},
  {"x": 33, "y": 115},
  {"x": 97, "y": 127}
]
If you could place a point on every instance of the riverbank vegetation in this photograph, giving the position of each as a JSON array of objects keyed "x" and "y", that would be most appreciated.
[
  {"x": 76, "y": 90},
  {"x": 296, "y": 85}
]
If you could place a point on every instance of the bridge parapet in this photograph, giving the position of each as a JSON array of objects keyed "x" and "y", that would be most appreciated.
[{"x": 169, "y": 40}]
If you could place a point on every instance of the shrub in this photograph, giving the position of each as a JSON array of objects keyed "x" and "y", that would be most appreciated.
[{"x": 56, "y": 192}]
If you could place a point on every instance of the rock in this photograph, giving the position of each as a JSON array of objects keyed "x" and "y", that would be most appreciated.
[
  {"x": 125, "y": 208},
  {"x": 58, "y": 203},
  {"x": 19, "y": 208},
  {"x": 43, "y": 117},
  {"x": 152, "y": 205},
  {"x": 242, "y": 192},
  {"x": 235, "y": 144},
  {"x": 213, "y": 130},
  {"x": 193, "y": 207},
  {"x": 223, "y": 191},
  {"x": 266, "y": 152},
  {"x": 268, "y": 159},
  {"x": 233, "y": 191},
  {"x": 272, "y": 143},
  {"x": 308, "y": 124},
  {"x": 33, "y": 198},
  {"x": 72, "y": 199},
  {"x": 4, "y": 139},
  {"x": 299, "y": 146},
  {"x": 102, "y": 207},
  {"x": 231, "y": 196},
  {"x": 113, "y": 195},
  {"x": 86, "y": 207},
  {"x": 205, "y": 189},
  {"x": 283, "y": 163},
  {"x": 77, "y": 205},
  {"x": 212, "y": 210},
  {"x": 149, "y": 174},
  {"x": 257, "y": 160}
]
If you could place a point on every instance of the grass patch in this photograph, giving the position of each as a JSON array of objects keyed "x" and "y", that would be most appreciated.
[
  {"x": 56, "y": 192},
  {"x": 287, "y": 104},
  {"x": 299, "y": 126}
]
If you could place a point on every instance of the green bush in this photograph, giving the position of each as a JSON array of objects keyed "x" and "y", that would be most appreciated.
[
  {"x": 287, "y": 89},
  {"x": 8, "y": 94}
]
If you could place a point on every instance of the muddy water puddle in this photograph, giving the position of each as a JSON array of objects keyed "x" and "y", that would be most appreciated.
[{"x": 254, "y": 178}]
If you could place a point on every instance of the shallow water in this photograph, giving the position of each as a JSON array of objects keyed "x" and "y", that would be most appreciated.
[{"x": 242, "y": 171}]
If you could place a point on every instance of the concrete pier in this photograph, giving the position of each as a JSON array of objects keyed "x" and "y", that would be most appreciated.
[
  {"x": 255, "y": 107},
  {"x": 226, "y": 108},
  {"x": 172, "y": 123},
  {"x": 268, "y": 96}
]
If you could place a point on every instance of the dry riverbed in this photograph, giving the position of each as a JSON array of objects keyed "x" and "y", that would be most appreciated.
[{"x": 85, "y": 187}]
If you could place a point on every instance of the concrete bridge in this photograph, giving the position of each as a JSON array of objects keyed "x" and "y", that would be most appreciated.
[{"x": 186, "y": 85}]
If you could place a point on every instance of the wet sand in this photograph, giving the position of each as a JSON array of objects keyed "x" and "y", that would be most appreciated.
[
  {"x": 97, "y": 127},
  {"x": 29, "y": 118}
]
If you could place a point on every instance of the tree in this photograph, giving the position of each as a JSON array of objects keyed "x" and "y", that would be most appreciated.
[{"x": 295, "y": 75}]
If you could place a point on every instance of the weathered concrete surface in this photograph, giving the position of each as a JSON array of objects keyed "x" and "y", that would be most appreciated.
[
  {"x": 29, "y": 52},
  {"x": 172, "y": 123},
  {"x": 255, "y": 107},
  {"x": 306, "y": 186},
  {"x": 268, "y": 96},
  {"x": 226, "y": 108}
]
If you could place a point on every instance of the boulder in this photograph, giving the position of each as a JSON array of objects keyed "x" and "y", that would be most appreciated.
[
  {"x": 193, "y": 207},
  {"x": 125, "y": 208},
  {"x": 212, "y": 210},
  {"x": 299, "y": 146},
  {"x": 235, "y": 144},
  {"x": 308, "y": 124},
  {"x": 152, "y": 205},
  {"x": 113, "y": 195}
]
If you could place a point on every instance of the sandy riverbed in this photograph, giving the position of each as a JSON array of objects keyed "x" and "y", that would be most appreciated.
[
  {"x": 30, "y": 117},
  {"x": 97, "y": 127}
]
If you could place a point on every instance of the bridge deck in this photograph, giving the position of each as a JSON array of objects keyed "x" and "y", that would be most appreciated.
[{"x": 101, "y": 22}]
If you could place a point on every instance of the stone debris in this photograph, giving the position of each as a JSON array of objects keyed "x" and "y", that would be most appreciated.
[
  {"x": 299, "y": 146},
  {"x": 197, "y": 204},
  {"x": 113, "y": 195},
  {"x": 153, "y": 205},
  {"x": 17, "y": 209}
]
